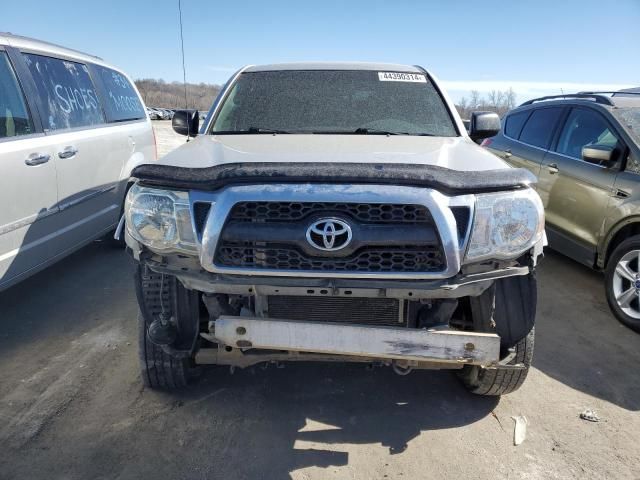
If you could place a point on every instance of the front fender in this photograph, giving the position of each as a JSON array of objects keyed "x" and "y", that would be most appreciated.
[{"x": 625, "y": 215}]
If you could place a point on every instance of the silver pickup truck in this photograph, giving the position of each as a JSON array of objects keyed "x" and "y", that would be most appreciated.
[{"x": 335, "y": 212}]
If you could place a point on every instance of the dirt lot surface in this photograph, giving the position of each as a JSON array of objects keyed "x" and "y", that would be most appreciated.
[
  {"x": 166, "y": 138},
  {"x": 72, "y": 405}
]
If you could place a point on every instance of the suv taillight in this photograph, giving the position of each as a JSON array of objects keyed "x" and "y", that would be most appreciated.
[{"x": 486, "y": 142}]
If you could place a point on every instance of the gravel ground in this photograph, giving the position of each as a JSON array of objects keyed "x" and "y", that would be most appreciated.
[
  {"x": 166, "y": 138},
  {"x": 73, "y": 407}
]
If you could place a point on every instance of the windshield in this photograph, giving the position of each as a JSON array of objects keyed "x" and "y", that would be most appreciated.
[
  {"x": 630, "y": 119},
  {"x": 336, "y": 101}
]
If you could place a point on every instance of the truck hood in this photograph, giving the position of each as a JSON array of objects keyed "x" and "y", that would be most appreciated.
[{"x": 454, "y": 153}]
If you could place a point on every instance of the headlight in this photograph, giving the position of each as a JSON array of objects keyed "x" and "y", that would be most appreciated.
[
  {"x": 505, "y": 225},
  {"x": 160, "y": 219}
]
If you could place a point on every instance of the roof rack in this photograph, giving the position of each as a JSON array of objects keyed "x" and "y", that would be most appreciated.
[
  {"x": 582, "y": 95},
  {"x": 614, "y": 93},
  {"x": 43, "y": 42}
]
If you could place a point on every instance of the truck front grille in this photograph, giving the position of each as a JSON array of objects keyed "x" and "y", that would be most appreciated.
[
  {"x": 367, "y": 259},
  {"x": 363, "y": 212},
  {"x": 271, "y": 236},
  {"x": 367, "y": 311}
]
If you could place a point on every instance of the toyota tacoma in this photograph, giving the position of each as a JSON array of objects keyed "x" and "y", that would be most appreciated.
[{"x": 335, "y": 212}]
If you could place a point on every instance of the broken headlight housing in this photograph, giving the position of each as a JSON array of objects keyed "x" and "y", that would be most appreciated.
[
  {"x": 505, "y": 225},
  {"x": 160, "y": 219}
]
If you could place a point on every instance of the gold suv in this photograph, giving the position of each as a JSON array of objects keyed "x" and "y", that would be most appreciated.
[{"x": 585, "y": 150}]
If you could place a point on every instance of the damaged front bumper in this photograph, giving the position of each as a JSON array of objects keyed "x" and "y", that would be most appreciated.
[
  {"x": 408, "y": 347},
  {"x": 467, "y": 283}
]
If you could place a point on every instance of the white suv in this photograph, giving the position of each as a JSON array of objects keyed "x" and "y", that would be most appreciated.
[{"x": 71, "y": 129}]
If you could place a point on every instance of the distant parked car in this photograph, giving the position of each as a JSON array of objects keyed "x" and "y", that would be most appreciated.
[
  {"x": 161, "y": 114},
  {"x": 72, "y": 127},
  {"x": 585, "y": 150},
  {"x": 153, "y": 114}
]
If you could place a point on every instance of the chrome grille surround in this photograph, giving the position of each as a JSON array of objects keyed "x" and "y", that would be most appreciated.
[{"x": 435, "y": 202}]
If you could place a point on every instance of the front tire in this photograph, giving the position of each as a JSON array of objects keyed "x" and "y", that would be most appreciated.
[
  {"x": 622, "y": 279},
  {"x": 159, "y": 369},
  {"x": 507, "y": 308},
  {"x": 501, "y": 380}
]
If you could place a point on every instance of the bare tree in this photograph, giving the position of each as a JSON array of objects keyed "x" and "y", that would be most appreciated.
[
  {"x": 492, "y": 98},
  {"x": 499, "y": 101},
  {"x": 158, "y": 93},
  {"x": 463, "y": 108},
  {"x": 510, "y": 98},
  {"x": 474, "y": 102}
]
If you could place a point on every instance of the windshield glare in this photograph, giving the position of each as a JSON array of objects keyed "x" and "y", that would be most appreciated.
[
  {"x": 630, "y": 119},
  {"x": 333, "y": 102}
]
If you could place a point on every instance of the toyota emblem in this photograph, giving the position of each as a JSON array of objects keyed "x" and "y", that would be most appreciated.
[{"x": 329, "y": 234}]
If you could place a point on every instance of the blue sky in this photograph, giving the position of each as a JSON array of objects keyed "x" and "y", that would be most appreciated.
[{"x": 536, "y": 47}]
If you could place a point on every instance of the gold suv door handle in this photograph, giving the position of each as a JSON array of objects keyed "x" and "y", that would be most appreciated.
[{"x": 553, "y": 168}]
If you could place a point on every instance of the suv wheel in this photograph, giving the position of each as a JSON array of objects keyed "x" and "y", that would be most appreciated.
[
  {"x": 159, "y": 369},
  {"x": 622, "y": 282}
]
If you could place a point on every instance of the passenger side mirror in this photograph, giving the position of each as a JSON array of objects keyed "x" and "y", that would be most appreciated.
[
  {"x": 599, "y": 154},
  {"x": 483, "y": 125},
  {"x": 186, "y": 122}
]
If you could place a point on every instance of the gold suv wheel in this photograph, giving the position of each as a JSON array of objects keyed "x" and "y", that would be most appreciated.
[{"x": 626, "y": 283}]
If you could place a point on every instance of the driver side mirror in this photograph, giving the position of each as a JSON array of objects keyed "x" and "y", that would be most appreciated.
[
  {"x": 483, "y": 125},
  {"x": 599, "y": 154},
  {"x": 186, "y": 122}
]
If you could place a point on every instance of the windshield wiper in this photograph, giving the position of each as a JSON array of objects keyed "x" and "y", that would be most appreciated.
[
  {"x": 265, "y": 130},
  {"x": 375, "y": 131}
]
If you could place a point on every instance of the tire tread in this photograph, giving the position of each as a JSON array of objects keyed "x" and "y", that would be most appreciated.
[{"x": 159, "y": 370}]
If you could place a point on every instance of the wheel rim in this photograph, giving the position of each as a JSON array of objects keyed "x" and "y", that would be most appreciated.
[{"x": 626, "y": 284}]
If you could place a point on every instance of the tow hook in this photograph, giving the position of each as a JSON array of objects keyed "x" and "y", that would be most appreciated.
[
  {"x": 162, "y": 331},
  {"x": 505, "y": 363}
]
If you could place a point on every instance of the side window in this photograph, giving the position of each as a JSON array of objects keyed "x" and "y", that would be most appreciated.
[
  {"x": 67, "y": 92},
  {"x": 14, "y": 117},
  {"x": 513, "y": 124},
  {"x": 121, "y": 102},
  {"x": 539, "y": 127},
  {"x": 584, "y": 127}
]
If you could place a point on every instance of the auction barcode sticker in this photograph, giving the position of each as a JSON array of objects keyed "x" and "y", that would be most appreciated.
[{"x": 401, "y": 77}]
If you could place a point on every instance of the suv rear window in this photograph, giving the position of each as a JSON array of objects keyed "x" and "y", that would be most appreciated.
[
  {"x": 513, "y": 124},
  {"x": 14, "y": 119},
  {"x": 539, "y": 128},
  {"x": 69, "y": 97},
  {"x": 121, "y": 102}
]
